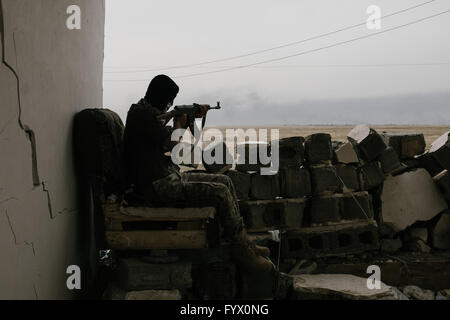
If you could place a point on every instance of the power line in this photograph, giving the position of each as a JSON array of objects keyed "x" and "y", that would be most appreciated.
[
  {"x": 302, "y": 52},
  {"x": 335, "y": 65},
  {"x": 273, "y": 48}
]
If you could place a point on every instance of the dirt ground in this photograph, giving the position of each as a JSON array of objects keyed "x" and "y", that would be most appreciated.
[{"x": 339, "y": 133}]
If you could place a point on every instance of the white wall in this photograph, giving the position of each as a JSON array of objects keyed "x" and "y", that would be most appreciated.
[{"x": 60, "y": 73}]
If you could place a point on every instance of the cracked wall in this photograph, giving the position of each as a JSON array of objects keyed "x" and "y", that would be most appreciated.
[{"x": 48, "y": 73}]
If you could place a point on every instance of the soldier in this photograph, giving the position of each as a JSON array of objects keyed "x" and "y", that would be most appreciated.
[{"x": 155, "y": 179}]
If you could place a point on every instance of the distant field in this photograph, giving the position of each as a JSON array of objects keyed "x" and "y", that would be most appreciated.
[{"x": 339, "y": 133}]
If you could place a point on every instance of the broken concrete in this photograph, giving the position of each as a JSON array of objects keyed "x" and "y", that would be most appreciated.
[
  {"x": 318, "y": 148},
  {"x": 441, "y": 232},
  {"x": 411, "y": 197},
  {"x": 406, "y": 145},
  {"x": 337, "y": 286},
  {"x": 370, "y": 144},
  {"x": 418, "y": 293},
  {"x": 346, "y": 154},
  {"x": 443, "y": 181},
  {"x": 440, "y": 150}
]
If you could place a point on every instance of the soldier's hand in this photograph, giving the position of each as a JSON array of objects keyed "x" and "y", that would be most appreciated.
[
  {"x": 180, "y": 121},
  {"x": 203, "y": 109}
]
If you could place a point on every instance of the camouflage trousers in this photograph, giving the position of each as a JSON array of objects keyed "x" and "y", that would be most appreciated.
[{"x": 200, "y": 190}]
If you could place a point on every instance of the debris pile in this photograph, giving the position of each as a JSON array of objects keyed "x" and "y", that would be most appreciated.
[{"x": 373, "y": 191}]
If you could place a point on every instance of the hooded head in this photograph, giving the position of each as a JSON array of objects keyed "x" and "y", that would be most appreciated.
[{"x": 161, "y": 91}]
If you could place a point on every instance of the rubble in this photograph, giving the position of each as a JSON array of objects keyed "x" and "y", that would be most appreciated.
[
  {"x": 337, "y": 286},
  {"x": 418, "y": 293},
  {"x": 406, "y": 145},
  {"x": 370, "y": 144},
  {"x": 410, "y": 197},
  {"x": 441, "y": 232}
]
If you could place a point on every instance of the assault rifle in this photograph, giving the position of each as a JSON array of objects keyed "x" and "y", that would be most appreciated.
[{"x": 188, "y": 109}]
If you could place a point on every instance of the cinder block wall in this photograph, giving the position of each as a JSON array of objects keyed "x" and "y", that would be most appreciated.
[{"x": 47, "y": 74}]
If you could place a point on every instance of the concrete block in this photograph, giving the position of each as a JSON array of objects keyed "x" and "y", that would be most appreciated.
[
  {"x": 324, "y": 180},
  {"x": 350, "y": 240},
  {"x": 389, "y": 160},
  {"x": 325, "y": 209},
  {"x": 336, "y": 239},
  {"x": 249, "y": 155},
  {"x": 241, "y": 182},
  {"x": 371, "y": 175},
  {"x": 264, "y": 187},
  {"x": 262, "y": 214},
  {"x": 406, "y": 145},
  {"x": 441, "y": 232},
  {"x": 318, "y": 148},
  {"x": 370, "y": 144},
  {"x": 346, "y": 153},
  {"x": 428, "y": 162},
  {"x": 443, "y": 181},
  {"x": 411, "y": 197},
  {"x": 295, "y": 182},
  {"x": 440, "y": 150},
  {"x": 291, "y": 151},
  {"x": 135, "y": 274},
  {"x": 356, "y": 206},
  {"x": 217, "y": 158},
  {"x": 349, "y": 179}
]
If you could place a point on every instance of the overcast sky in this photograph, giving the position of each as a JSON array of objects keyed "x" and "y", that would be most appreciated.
[{"x": 328, "y": 86}]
